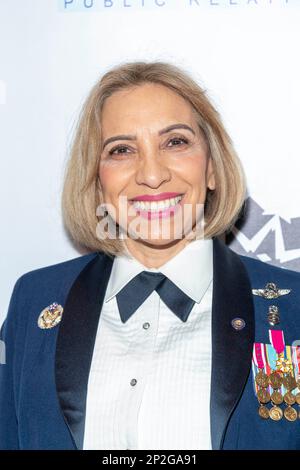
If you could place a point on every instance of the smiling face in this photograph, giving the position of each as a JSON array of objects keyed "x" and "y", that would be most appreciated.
[{"x": 155, "y": 156}]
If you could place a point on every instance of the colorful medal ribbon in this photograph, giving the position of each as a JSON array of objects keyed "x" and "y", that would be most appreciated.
[
  {"x": 296, "y": 356},
  {"x": 271, "y": 356},
  {"x": 259, "y": 357},
  {"x": 296, "y": 360},
  {"x": 277, "y": 341},
  {"x": 261, "y": 381},
  {"x": 283, "y": 364}
]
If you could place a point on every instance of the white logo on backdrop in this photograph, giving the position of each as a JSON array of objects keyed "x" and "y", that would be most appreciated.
[{"x": 267, "y": 237}]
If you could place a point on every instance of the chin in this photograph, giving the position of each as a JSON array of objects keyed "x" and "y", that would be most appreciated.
[{"x": 158, "y": 242}]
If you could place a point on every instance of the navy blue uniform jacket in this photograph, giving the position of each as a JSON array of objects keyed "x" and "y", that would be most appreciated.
[{"x": 43, "y": 384}]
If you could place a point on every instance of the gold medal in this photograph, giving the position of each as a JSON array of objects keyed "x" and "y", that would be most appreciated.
[
  {"x": 289, "y": 382},
  {"x": 263, "y": 395},
  {"x": 275, "y": 380},
  {"x": 289, "y": 398},
  {"x": 276, "y": 413},
  {"x": 276, "y": 397},
  {"x": 290, "y": 413},
  {"x": 262, "y": 379},
  {"x": 284, "y": 365},
  {"x": 263, "y": 412}
]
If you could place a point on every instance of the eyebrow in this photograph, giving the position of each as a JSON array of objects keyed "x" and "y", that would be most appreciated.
[{"x": 161, "y": 132}]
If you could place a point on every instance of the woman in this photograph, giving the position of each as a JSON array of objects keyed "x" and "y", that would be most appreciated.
[{"x": 161, "y": 337}]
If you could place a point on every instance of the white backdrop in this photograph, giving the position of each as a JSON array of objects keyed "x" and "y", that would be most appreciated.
[{"x": 244, "y": 52}]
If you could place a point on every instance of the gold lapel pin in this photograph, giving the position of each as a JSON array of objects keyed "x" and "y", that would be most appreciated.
[
  {"x": 238, "y": 323},
  {"x": 50, "y": 316},
  {"x": 271, "y": 291}
]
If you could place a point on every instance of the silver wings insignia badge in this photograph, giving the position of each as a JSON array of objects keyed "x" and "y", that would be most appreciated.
[{"x": 271, "y": 291}]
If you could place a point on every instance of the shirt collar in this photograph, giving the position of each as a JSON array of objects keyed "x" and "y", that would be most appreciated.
[{"x": 191, "y": 270}]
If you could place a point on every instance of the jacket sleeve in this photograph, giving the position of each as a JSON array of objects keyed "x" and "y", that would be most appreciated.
[{"x": 8, "y": 417}]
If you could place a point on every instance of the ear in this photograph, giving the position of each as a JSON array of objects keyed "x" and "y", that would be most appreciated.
[{"x": 210, "y": 175}]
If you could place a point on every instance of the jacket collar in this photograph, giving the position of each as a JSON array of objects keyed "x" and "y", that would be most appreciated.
[
  {"x": 194, "y": 282},
  {"x": 75, "y": 342},
  {"x": 231, "y": 349}
]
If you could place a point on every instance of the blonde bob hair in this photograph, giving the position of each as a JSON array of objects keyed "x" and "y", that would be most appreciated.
[{"x": 82, "y": 188}]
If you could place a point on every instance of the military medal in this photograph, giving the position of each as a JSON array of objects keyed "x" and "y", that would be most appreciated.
[
  {"x": 275, "y": 380},
  {"x": 296, "y": 360},
  {"x": 276, "y": 413},
  {"x": 263, "y": 412},
  {"x": 261, "y": 380},
  {"x": 276, "y": 372},
  {"x": 50, "y": 316},
  {"x": 289, "y": 398},
  {"x": 290, "y": 413},
  {"x": 284, "y": 366},
  {"x": 289, "y": 382},
  {"x": 276, "y": 397},
  {"x": 263, "y": 396}
]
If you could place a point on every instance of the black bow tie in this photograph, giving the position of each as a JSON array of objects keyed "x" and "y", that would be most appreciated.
[{"x": 141, "y": 286}]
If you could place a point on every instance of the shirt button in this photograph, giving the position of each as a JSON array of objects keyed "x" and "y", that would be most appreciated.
[
  {"x": 146, "y": 326},
  {"x": 133, "y": 382}
]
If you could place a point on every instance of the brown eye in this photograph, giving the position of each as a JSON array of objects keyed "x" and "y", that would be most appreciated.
[
  {"x": 119, "y": 147},
  {"x": 178, "y": 141}
]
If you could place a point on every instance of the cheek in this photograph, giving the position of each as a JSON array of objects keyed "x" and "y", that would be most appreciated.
[
  {"x": 111, "y": 178},
  {"x": 192, "y": 169}
]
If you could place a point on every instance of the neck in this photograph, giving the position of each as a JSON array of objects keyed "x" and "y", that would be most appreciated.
[{"x": 154, "y": 256}]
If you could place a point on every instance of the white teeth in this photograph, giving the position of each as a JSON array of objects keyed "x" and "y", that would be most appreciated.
[
  {"x": 156, "y": 205},
  {"x": 160, "y": 205}
]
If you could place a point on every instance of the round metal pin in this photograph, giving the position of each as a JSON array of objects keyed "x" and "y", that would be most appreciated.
[{"x": 238, "y": 323}]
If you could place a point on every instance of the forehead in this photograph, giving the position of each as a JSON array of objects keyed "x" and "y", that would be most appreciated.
[{"x": 150, "y": 105}]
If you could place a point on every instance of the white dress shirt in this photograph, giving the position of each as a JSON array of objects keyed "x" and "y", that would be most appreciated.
[{"x": 149, "y": 382}]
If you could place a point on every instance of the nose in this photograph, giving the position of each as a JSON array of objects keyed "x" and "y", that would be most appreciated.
[{"x": 151, "y": 170}]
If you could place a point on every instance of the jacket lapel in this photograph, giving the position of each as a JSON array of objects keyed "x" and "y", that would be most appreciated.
[
  {"x": 75, "y": 342},
  {"x": 231, "y": 349}
]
